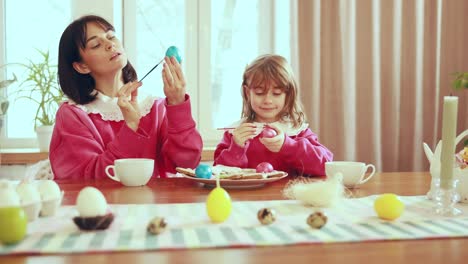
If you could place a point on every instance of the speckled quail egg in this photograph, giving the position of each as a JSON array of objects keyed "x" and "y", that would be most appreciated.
[
  {"x": 317, "y": 220},
  {"x": 266, "y": 216},
  {"x": 157, "y": 225}
]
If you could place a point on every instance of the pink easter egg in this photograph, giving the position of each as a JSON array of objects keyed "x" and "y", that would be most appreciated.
[
  {"x": 264, "y": 167},
  {"x": 268, "y": 132}
]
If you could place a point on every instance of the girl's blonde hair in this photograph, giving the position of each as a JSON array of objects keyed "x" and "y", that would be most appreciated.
[{"x": 273, "y": 68}]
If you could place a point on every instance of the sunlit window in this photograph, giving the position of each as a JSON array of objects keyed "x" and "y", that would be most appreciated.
[
  {"x": 217, "y": 39},
  {"x": 29, "y": 26},
  {"x": 159, "y": 25}
]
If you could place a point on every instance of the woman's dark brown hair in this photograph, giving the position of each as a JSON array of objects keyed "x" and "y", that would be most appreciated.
[{"x": 80, "y": 87}]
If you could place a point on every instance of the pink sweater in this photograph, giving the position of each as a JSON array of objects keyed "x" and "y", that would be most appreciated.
[
  {"x": 84, "y": 144},
  {"x": 300, "y": 155}
]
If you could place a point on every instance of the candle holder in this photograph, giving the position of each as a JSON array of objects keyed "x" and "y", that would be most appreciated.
[
  {"x": 435, "y": 186},
  {"x": 446, "y": 198}
]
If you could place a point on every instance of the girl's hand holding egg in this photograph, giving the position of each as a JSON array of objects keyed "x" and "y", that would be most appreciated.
[
  {"x": 243, "y": 133},
  {"x": 275, "y": 143},
  {"x": 268, "y": 132}
]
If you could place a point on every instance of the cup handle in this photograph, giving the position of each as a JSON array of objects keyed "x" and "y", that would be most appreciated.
[
  {"x": 110, "y": 175},
  {"x": 363, "y": 180}
]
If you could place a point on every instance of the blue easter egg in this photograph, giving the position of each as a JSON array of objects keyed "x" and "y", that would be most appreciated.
[
  {"x": 173, "y": 51},
  {"x": 203, "y": 171}
]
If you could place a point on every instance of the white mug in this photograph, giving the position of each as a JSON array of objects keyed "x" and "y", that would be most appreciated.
[
  {"x": 354, "y": 173},
  {"x": 131, "y": 172}
]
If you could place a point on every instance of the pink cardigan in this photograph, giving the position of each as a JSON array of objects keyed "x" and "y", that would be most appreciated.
[
  {"x": 301, "y": 154},
  {"x": 84, "y": 144}
]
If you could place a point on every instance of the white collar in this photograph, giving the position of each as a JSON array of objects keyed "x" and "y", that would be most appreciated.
[
  {"x": 109, "y": 110},
  {"x": 286, "y": 126}
]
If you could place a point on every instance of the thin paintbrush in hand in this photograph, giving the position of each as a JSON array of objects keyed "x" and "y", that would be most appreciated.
[{"x": 151, "y": 69}]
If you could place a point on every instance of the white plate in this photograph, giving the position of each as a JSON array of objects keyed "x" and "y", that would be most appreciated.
[{"x": 226, "y": 183}]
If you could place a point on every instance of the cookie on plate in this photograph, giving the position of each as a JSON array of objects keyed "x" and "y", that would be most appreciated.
[
  {"x": 186, "y": 171},
  {"x": 274, "y": 174},
  {"x": 252, "y": 176}
]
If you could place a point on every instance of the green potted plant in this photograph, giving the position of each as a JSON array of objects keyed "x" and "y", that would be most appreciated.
[
  {"x": 459, "y": 82},
  {"x": 40, "y": 86},
  {"x": 4, "y": 103}
]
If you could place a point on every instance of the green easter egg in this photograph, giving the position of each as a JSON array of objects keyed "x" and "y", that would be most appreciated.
[{"x": 173, "y": 51}]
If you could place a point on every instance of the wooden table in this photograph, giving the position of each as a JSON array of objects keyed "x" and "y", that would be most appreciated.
[{"x": 180, "y": 190}]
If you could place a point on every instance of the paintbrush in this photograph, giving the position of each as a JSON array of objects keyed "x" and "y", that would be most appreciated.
[{"x": 152, "y": 69}]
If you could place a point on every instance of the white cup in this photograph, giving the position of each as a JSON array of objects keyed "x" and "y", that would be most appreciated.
[
  {"x": 354, "y": 173},
  {"x": 131, "y": 172}
]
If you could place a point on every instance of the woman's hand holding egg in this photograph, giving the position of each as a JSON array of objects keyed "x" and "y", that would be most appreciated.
[{"x": 174, "y": 81}]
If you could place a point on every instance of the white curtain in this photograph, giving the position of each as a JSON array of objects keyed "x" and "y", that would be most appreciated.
[{"x": 373, "y": 74}]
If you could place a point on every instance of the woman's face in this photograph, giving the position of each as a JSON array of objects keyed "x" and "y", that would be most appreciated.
[
  {"x": 267, "y": 101},
  {"x": 103, "y": 53}
]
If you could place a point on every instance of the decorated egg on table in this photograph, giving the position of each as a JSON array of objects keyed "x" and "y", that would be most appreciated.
[
  {"x": 203, "y": 171},
  {"x": 13, "y": 220},
  {"x": 218, "y": 204},
  {"x": 173, "y": 51},
  {"x": 388, "y": 206},
  {"x": 264, "y": 167},
  {"x": 13, "y": 224},
  {"x": 268, "y": 132}
]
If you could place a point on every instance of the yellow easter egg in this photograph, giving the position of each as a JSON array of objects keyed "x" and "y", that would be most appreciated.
[
  {"x": 218, "y": 205},
  {"x": 388, "y": 206}
]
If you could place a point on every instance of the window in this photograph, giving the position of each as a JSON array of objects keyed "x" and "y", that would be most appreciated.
[
  {"x": 217, "y": 38},
  {"x": 25, "y": 30}
]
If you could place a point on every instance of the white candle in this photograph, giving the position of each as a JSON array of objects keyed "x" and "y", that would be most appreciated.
[{"x": 449, "y": 131}]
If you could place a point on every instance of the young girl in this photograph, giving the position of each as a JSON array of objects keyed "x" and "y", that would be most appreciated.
[
  {"x": 271, "y": 98},
  {"x": 104, "y": 119}
]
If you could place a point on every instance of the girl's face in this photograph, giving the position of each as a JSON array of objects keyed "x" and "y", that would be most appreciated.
[
  {"x": 103, "y": 53},
  {"x": 267, "y": 101}
]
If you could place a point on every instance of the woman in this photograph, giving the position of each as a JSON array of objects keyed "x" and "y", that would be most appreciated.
[{"x": 104, "y": 119}]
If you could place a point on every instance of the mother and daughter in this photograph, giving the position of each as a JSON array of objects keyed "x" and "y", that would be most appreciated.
[{"x": 104, "y": 119}]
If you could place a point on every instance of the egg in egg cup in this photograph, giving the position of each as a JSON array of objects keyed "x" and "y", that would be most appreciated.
[
  {"x": 51, "y": 197},
  {"x": 93, "y": 210}
]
